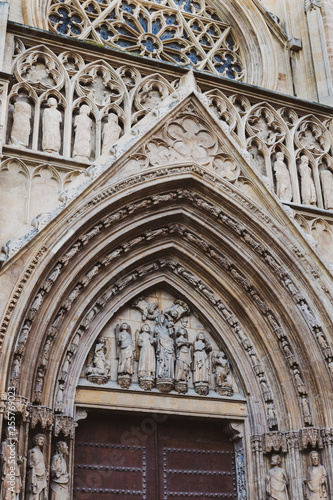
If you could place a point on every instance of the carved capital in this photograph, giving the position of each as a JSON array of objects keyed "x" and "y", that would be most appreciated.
[
  {"x": 312, "y": 437},
  {"x": 64, "y": 424},
  {"x": 256, "y": 444},
  {"x": 312, "y": 4},
  {"x": 327, "y": 436},
  {"x": 42, "y": 415},
  {"x": 293, "y": 440},
  {"x": 276, "y": 441}
]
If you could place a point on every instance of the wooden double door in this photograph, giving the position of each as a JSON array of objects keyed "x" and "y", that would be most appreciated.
[{"x": 152, "y": 457}]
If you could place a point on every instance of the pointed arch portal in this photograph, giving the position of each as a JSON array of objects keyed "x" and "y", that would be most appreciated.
[{"x": 179, "y": 247}]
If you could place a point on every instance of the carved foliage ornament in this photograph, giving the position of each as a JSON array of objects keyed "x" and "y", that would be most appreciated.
[{"x": 186, "y": 33}]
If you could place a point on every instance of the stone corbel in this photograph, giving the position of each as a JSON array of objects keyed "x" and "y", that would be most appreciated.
[{"x": 234, "y": 431}]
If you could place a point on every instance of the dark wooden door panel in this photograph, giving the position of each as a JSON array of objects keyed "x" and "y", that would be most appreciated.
[
  {"x": 120, "y": 457},
  {"x": 198, "y": 461}
]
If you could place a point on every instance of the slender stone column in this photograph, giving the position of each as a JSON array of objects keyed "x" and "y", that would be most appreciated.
[
  {"x": 4, "y": 8},
  {"x": 294, "y": 465},
  {"x": 319, "y": 51},
  {"x": 259, "y": 467},
  {"x": 327, "y": 460}
]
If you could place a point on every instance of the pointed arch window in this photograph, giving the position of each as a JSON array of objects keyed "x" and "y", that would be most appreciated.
[{"x": 189, "y": 33}]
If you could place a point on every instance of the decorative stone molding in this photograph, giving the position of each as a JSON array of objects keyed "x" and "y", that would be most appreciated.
[
  {"x": 65, "y": 425},
  {"x": 312, "y": 4},
  {"x": 41, "y": 415}
]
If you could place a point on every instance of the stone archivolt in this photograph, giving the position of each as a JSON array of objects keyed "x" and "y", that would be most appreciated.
[{"x": 178, "y": 229}]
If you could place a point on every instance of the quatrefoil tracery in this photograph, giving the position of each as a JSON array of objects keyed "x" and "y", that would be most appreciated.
[{"x": 185, "y": 32}]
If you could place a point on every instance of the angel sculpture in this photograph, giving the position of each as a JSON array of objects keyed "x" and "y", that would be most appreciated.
[{"x": 125, "y": 355}]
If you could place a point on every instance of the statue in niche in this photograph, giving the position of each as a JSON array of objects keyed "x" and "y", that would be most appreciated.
[
  {"x": 276, "y": 481},
  {"x": 9, "y": 461},
  {"x": 283, "y": 182},
  {"x": 308, "y": 190},
  {"x": 98, "y": 371},
  {"x": 183, "y": 358},
  {"x": 82, "y": 129},
  {"x": 125, "y": 354},
  {"x": 327, "y": 187},
  {"x": 59, "y": 483},
  {"x": 111, "y": 132},
  {"x": 147, "y": 359},
  {"x": 37, "y": 474},
  {"x": 21, "y": 128},
  {"x": 165, "y": 353},
  {"x": 201, "y": 368},
  {"x": 52, "y": 119},
  {"x": 316, "y": 487},
  {"x": 222, "y": 374}
]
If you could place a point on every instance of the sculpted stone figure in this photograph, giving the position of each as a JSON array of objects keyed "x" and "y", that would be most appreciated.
[
  {"x": 308, "y": 190},
  {"x": 276, "y": 481},
  {"x": 283, "y": 182},
  {"x": 327, "y": 187},
  {"x": 222, "y": 374},
  {"x": 316, "y": 486},
  {"x": 99, "y": 369},
  {"x": 111, "y": 132},
  {"x": 51, "y": 127},
  {"x": 59, "y": 476},
  {"x": 82, "y": 128},
  {"x": 147, "y": 358},
  {"x": 201, "y": 368},
  {"x": 165, "y": 353},
  {"x": 21, "y": 128},
  {"x": 125, "y": 353},
  {"x": 10, "y": 472},
  {"x": 37, "y": 475},
  {"x": 183, "y": 360}
]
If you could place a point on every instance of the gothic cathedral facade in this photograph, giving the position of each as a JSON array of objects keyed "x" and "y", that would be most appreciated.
[{"x": 166, "y": 263}]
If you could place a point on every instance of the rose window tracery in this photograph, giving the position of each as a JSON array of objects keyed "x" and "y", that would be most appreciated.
[{"x": 185, "y": 32}]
